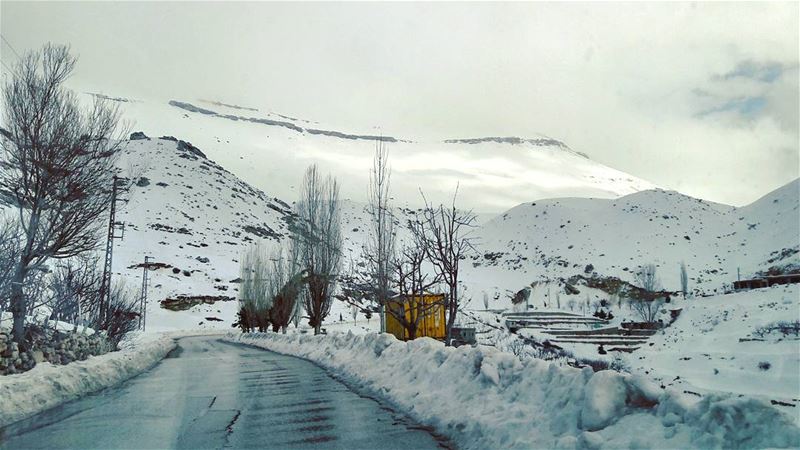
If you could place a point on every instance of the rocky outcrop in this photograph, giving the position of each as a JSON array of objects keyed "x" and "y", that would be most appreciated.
[
  {"x": 184, "y": 302},
  {"x": 138, "y": 136}
]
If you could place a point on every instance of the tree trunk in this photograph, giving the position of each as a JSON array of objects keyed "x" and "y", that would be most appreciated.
[
  {"x": 18, "y": 305},
  {"x": 452, "y": 309}
]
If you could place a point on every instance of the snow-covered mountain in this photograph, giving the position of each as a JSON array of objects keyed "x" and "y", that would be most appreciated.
[
  {"x": 195, "y": 217},
  {"x": 559, "y": 238},
  {"x": 270, "y": 151}
]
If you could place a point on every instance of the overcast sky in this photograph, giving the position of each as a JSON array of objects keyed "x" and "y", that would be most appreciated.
[{"x": 701, "y": 98}]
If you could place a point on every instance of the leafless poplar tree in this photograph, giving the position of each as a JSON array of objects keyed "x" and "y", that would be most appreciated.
[
  {"x": 254, "y": 290},
  {"x": 380, "y": 249},
  {"x": 684, "y": 279},
  {"x": 318, "y": 232},
  {"x": 56, "y": 166},
  {"x": 286, "y": 281},
  {"x": 446, "y": 232}
]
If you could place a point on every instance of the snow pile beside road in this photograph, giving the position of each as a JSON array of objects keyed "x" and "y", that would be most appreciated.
[
  {"x": 483, "y": 398},
  {"x": 46, "y": 385}
]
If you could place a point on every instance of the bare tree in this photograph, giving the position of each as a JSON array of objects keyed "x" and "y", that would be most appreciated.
[
  {"x": 647, "y": 278},
  {"x": 648, "y": 306},
  {"x": 380, "y": 248},
  {"x": 318, "y": 232},
  {"x": 684, "y": 279},
  {"x": 254, "y": 290},
  {"x": 122, "y": 315},
  {"x": 73, "y": 289},
  {"x": 286, "y": 281},
  {"x": 409, "y": 308},
  {"x": 446, "y": 233},
  {"x": 56, "y": 166}
]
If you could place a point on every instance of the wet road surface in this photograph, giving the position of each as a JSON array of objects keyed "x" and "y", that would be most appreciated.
[{"x": 213, "y": 394}]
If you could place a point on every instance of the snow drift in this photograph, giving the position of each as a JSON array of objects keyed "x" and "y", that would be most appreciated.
[
  {"x": 46, "y": 385},
  {"x": 483, "y": 398}
]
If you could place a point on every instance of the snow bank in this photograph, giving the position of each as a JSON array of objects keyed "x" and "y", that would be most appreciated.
[
  {"x": 483, "y": 398},
  {"x": 46, "y": 385}
]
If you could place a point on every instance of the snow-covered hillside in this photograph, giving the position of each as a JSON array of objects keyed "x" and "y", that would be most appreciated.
[
  {"x": 270, "y": 151},
  {"x": 559, "y": 238},
  {"x": 194, "y": 219},
  {"x": 731, "y": 343}
]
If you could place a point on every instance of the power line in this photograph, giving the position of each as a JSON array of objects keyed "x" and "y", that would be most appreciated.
[
  {"x": 4, "y": 65},
  {"x": 10, "y": 46},
  {"x": 12, "y": 49}
]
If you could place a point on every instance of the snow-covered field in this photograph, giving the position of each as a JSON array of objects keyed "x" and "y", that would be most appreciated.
[
  {"x": 46, "y": 385},
  {"x": 715, "y": 346},
  {"x": 483, "y": 398}
]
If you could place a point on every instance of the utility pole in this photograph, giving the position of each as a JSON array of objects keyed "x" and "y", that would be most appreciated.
[
  {"x": 116, "y": 230},
  {"x": 143, "y": 300}
]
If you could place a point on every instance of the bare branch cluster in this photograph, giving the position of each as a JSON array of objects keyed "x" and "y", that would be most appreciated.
[
  {"x": 56, "y": 165},
  {"x": 648, "y": 307},
  {"x": 446, "y": 234}
]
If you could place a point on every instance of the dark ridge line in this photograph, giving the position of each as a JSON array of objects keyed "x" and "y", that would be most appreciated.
[
  {"x": 113, "y": 99},
  {"x": 510, "y": 140},
  {"x": 218, "y": 103},
  {"x": 351, "y": 136},
  {"x": 192, "y": 108}
]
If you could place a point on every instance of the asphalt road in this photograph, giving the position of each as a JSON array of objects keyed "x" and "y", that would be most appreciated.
[{"x": 213, "y": 394}]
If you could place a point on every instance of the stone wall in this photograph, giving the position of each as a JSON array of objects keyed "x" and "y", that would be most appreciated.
[{"x": 54, "y": 347}]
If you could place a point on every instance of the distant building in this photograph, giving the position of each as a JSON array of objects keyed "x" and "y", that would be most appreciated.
[{"x": 767, "y": 281}]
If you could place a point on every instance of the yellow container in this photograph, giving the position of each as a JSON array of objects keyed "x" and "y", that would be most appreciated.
[{"x": 430, "y": 307}]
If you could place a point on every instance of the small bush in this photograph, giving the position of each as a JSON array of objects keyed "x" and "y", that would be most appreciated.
[
  {"x": 782, "y": 328},
  {"x": 764, "y": 365}
]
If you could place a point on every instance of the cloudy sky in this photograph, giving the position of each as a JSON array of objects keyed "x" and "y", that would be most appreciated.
[{"x": 697, "y": 97}]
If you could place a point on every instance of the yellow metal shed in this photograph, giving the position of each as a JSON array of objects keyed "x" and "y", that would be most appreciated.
[{"x": 431, "y": 306}]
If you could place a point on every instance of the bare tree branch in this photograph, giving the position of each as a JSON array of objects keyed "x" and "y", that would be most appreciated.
[{"x": 56, "y": 165}]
